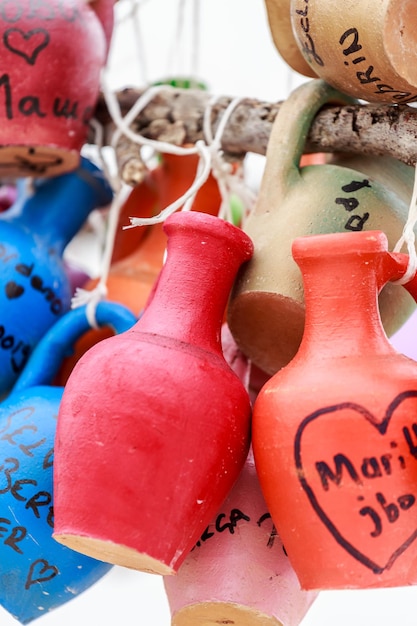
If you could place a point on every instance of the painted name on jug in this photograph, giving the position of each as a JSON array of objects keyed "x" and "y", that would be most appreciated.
[
  {"x": 30, "y": 45},
  {"x": 20, "y": 435},
  {"x": 28, "y": 278},
  {"x": 349, "y": 41},
  {"x": 378, "y": 487},
  {"x": 229, "y": 522},
  {"x": 356, "y": 221},
  {"x": 307, "y": 45},
  {"x": 30, "y": 105}
]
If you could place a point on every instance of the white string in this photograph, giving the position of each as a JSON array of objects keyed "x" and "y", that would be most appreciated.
[
  {"x": 92, "y": 297},
  {"x": 137, "y": 35},
  {"x": 408, "y": 237},
  {"x": 196, "y": 32},
  {"x": 229, "y": 183},
  {"x": 177, "y": 41},
  {"x": 122, "y": 123},
  {"x": 209, "y": 152}
]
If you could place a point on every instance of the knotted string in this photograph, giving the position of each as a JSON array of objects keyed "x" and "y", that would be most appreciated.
[
  {"x": 230, "y": 184},
  {"x": 209, "y": 152},
  {"x": 408, "y": 237},
  {"x": 91, "y": 298},
  {"x": 122, "y": 127}
]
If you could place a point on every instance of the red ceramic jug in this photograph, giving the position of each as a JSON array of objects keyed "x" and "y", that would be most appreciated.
[
  {"x": 134, "y": 270},
  {"x": 334, "y": 432},
  {"x": 52, "y": 55},
  {"x": 154, "y": 420},
  {"x": 238, "y": 573}
]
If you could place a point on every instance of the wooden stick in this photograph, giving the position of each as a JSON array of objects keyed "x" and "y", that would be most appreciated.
[{"x": 176, "y": 116}]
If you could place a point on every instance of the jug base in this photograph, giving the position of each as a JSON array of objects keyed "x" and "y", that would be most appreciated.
[
  {"x": 215, "y": 613},
  {"x": 37, "y": 161},
  {"x": 267, "y": 327},
  {"x": 114, "y": 553}
]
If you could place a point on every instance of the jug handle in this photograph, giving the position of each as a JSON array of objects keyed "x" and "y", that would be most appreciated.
[
  {"x": 394, "y": 269},
  {"x": 46, "y": 359},
  {"x": 288, "y": 137}
]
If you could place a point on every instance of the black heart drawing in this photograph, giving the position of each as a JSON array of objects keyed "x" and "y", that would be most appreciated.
[
  {"x": 13, "y": 290},
  {"x": 381, "y": 426},
  {"x": 26, "y": 44},
  {"x": 40, "y": 571}
]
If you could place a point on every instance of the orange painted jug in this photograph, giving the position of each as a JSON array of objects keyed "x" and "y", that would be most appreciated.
[
  {"x": 334, "y": 432},
  {"x": 155, "y": 421}
]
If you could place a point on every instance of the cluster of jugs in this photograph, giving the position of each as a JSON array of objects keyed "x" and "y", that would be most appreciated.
[{"x": 201, "y": 442}]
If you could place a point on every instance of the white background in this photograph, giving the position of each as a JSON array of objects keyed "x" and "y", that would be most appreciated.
[{"x": 235, "y": 57}]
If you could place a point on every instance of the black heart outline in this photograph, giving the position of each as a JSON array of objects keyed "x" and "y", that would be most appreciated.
[
  {"x": 382, "y": 427},
  {"x": 45, "y": 567},
  {"x": 26, "y": 36}
]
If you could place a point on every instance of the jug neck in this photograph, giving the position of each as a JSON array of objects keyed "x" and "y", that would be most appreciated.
[
  {"x": 54, "y": 209},
  {"x": 342, "y": 277},
  {"x": 204, "y": 254}
]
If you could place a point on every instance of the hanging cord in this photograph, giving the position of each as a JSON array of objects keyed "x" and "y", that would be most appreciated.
[
  {"x": 408, "y": 237},
  {"x": 200, "y": 148},
  {"x": 209, "y": 152},
  {"x": 176, "y": 47},
  {"x": 133, "y": 16},
  {"x": 137, "y": 35},
  {"x": 91, "y": 298},
  {"x": 229, "y": 182},
  {"x": 195, "y": 51}
]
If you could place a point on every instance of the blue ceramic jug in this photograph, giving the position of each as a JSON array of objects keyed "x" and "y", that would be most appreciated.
[
  {"x": 35, "y": 289},
  {"x": 37, "y": 574}
]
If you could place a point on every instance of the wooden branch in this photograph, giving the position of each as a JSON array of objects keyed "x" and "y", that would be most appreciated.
[{"x": 176, "y": 116}]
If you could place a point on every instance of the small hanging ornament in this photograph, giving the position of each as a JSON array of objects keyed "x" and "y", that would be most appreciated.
[
  {"x": 238, "y": 571},
  {"x": 363, "y": 49},
  {"x": 52, "y": 55},
  {"x": 334, "y": 430},
  {"x": 34, "y": 233},
  {"x": 266, "y": 310},
  {"x": 158, "y": 453},
  {"x": 37, "y": 574}
]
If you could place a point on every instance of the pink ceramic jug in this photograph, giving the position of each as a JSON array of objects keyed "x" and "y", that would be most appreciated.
[
  {"x": 154, "y": 420},
  {"x": 238, "y": 573}
]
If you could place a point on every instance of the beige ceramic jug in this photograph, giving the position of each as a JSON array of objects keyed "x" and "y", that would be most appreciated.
[
  {"x": 364, "y": 49},
  {"x": 279, "y": 21},
  {"x": 266, "y": 308}
]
